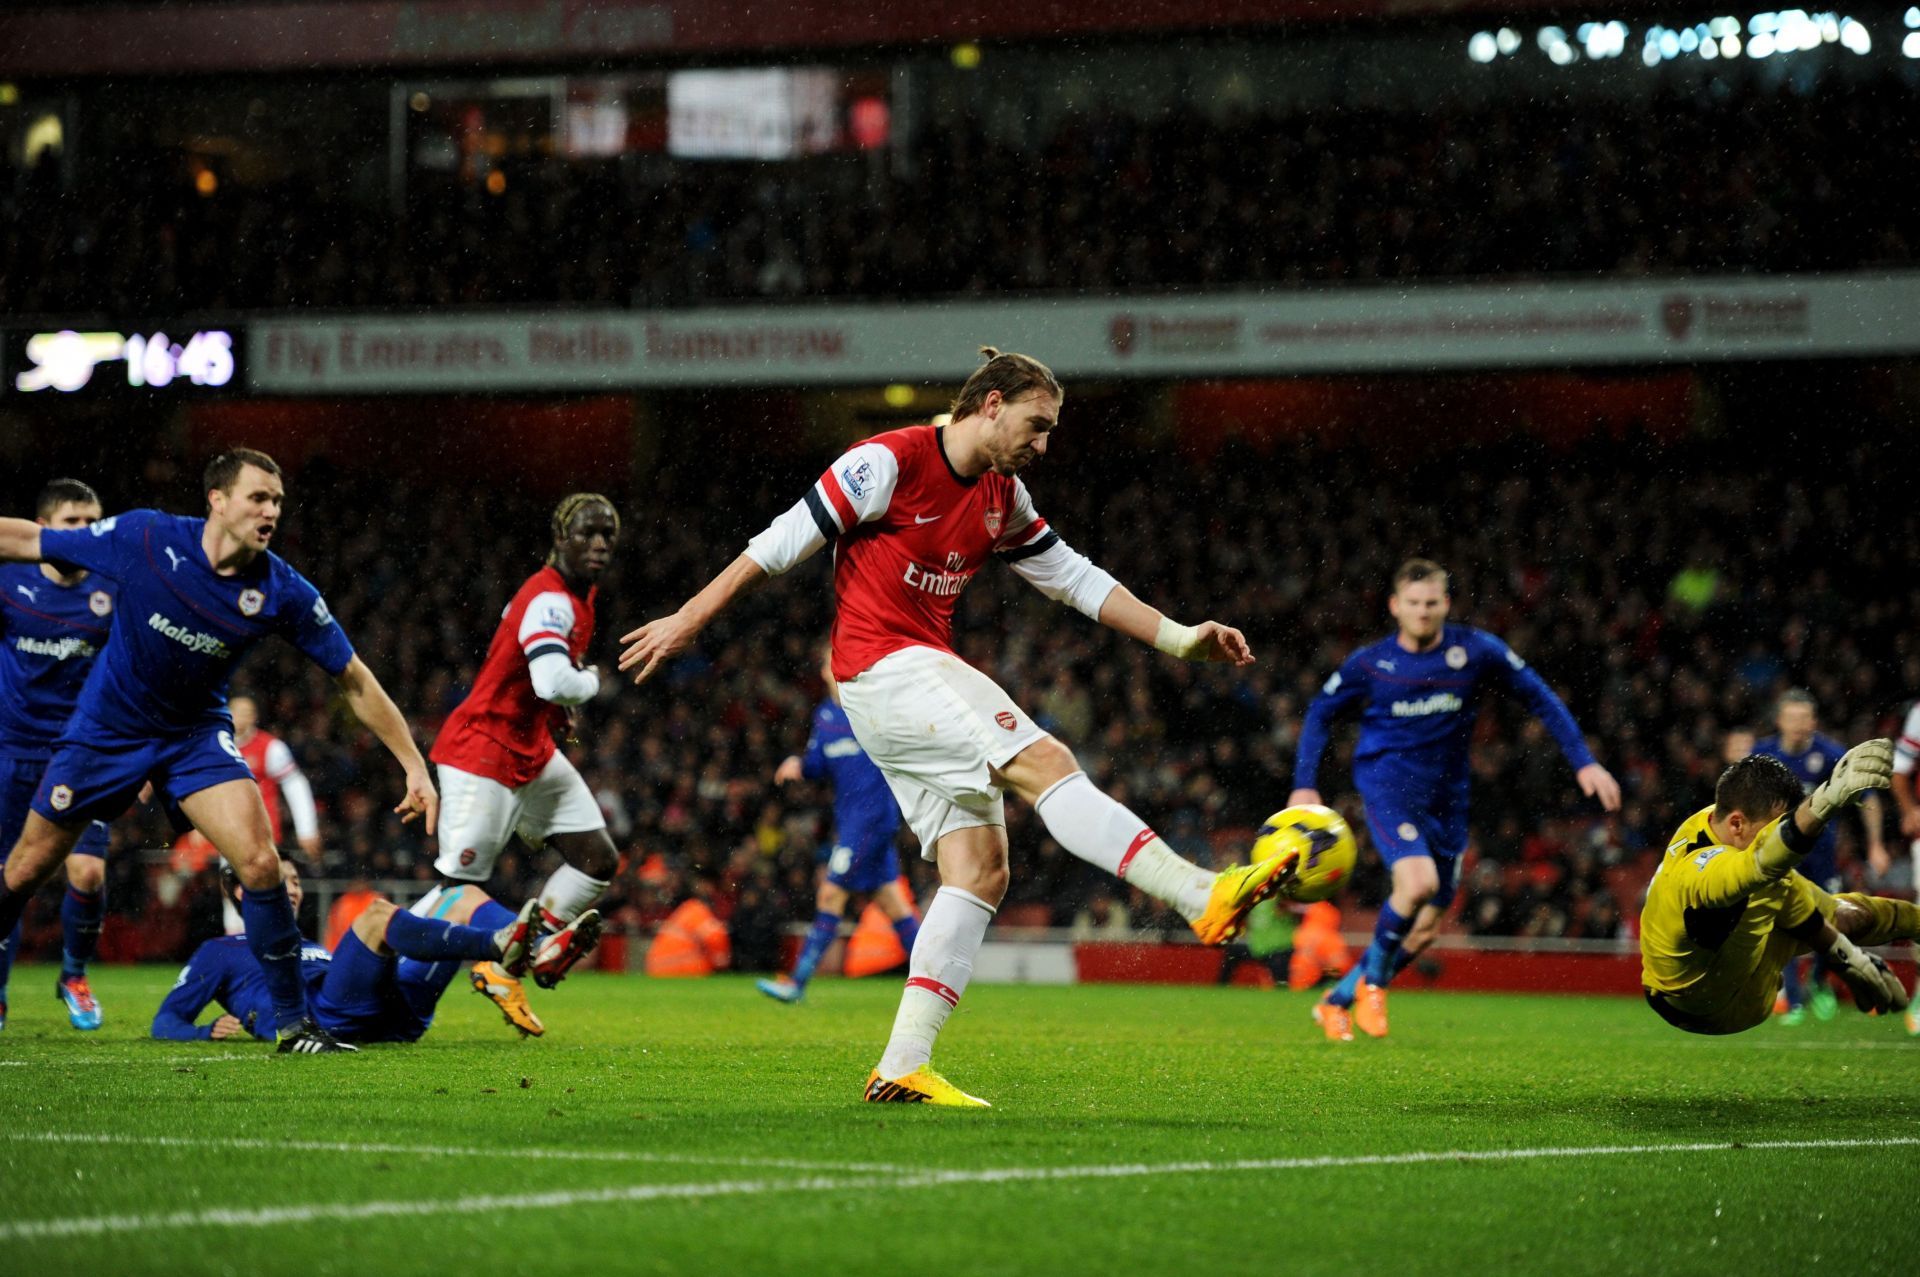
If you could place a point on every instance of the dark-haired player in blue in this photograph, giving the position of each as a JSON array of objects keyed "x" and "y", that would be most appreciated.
[
  {"x": 373, "y": 987},
  {"x": 1811, "y": 756},
  {"x": 195, "y": 594},
  {"x": 52, "y": 624},
  {"x": 865, "y": 819},
  {"x": 1419, "y": 692}
]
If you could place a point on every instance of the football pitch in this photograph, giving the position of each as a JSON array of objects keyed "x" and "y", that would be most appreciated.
[{"x": 695, "y": 1127}]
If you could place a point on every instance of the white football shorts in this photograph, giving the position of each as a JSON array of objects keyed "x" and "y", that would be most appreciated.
[
  {"x": 933, "y": 724},
  {"x": 478, "y": 815}
]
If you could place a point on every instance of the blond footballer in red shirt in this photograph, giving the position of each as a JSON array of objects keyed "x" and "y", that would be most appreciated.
[{"x": 912, "y": 515}]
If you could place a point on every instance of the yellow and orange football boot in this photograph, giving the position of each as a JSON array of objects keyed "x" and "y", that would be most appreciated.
[
  {"x": 1236, "y": 891},
  {"x": 922, "y": 1086}
]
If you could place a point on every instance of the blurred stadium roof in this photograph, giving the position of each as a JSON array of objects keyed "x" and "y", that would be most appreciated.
[{"x": 98, "y": 37}]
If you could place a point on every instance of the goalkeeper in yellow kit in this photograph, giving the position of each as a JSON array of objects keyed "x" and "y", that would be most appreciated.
[{"x": 1725, "y": 912}]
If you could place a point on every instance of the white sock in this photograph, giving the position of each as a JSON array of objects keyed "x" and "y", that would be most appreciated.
[
  {"x": 1101, "y": 832},
  {"x": 569, "y": 893},
  {"x": 950, "y": 934}
]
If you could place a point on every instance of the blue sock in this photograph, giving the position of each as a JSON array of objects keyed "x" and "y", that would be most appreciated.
[
  {"x": 1344, "y": 993},
  {"x": 431, "y": 939},
  {"x": 908, "y": 929},
  {"x": 491, "y": 916},
  {"x": 1389, "y": 933},
  {"x": 825, "y": 927},
  {"x": 274, "y": 937},
  {"x": 80, "y": 915},
  {"x": 1379, "y": 964},
  {"x": 1792, "y": 986},
  {"x": 423, "y": 983},
  {"x": 1402, "y": 960}
]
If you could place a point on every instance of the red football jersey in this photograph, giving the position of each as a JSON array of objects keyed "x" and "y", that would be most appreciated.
[
  {"x": 268, "y": 765},
  {"x": 909, "y": 534},
  {"x": 502, "y": 730}
]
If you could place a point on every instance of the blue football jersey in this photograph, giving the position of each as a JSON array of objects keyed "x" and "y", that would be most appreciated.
[
  {"x": 224, "y": 970},
  {"x": 1417, "y": 709},
  {"x": 865, "y": 815},
  {"x": 1812, "y": 766},
  {"x": 49, "y": 635},
  {"x": 179, "y": 627}
]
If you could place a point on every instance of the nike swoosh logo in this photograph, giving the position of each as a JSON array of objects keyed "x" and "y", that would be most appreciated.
[{"x": 919, "y": 518}]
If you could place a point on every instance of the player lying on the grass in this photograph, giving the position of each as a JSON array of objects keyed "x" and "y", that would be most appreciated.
[
  {"x": 375, "y": 987},
  {"x": 912, "y": 515},
  {"x": 1798, "y": 742},
  {"x": 501, "y": 770},
  {"x": 195, "y": 595},
  {"x": 865, "y": 820},
  {"x": 1726, "y": 912},
  {"x": 53, "y": 622},
  {"x": 1419, "y": 691}
]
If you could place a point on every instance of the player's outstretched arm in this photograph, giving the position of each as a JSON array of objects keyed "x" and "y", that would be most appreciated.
[
  {"x": 663, "y": 639},
  {"x": 372, "y": 706},
  {"x": 1207, "y": 641},
  {"x": 19, "y": 541}
]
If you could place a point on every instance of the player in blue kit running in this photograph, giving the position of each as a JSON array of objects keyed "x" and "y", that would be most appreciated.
[
  {"x": 1419, "y": 693},
  {"x": 52, "y": 625},
  {"x": 865, "y": 819},
  {"x": 371, "y": 988},
  {"x": 1811, "y": 756},
  {"x": 195, "y": 595}
]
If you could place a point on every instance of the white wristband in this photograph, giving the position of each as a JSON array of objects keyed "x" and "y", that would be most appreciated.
[{"x": 1178, "y": 640}]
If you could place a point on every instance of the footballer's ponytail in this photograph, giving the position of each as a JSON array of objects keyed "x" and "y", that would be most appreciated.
[{"x": 1014, "y": 376}]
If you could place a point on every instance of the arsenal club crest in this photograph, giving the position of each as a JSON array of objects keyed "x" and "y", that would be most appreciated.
[
  {"x": 251, "y": 601},
  {"x": 1006, "y": 719},
  {"x": 996, "y": 517},
  {"x": 100, "y": 603}
]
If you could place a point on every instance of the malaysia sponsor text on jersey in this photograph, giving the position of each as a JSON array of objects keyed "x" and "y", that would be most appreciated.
[
  {"x": 198, "y": 642},
  {"x": 1438, "y": 703}
]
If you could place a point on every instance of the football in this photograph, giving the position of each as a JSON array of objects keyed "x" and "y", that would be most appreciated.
[{"x": 1327, "y": 850}]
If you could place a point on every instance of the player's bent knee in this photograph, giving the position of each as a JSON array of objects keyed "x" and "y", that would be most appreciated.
[
  {"x": 592, "y": 852},
  {"x": 831, "y": 899},
  {"x": 1849, "y": 919},
  {"x": 257, "y": 869},
  {"x": 371, "y": 925},
  {"x": 86, "y": 873}
]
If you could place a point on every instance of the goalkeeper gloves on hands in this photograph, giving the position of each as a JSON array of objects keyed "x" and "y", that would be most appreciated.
[{"x": 1868, "y": 765}]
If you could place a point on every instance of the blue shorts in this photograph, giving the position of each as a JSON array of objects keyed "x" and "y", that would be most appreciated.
[
  {"x": 1411, "y": 819},
  {"x": 361, "y": 999},
  {"x": 100, "y": 780},
  {"x": 18, "y": 780},
  {"x": 863, "y": 870}
]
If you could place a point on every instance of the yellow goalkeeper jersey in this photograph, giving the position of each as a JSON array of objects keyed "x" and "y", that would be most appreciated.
[{"x": 1710, "y": 925}]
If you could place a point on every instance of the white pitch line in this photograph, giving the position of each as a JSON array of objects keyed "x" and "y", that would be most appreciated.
[
  {"x": 98, "y": 1225},
  {"x": 147, "y": 1061},
  {"x": 435, "y": 1150}
]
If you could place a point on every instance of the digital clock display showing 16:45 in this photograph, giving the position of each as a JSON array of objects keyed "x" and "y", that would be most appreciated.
[{"x": 66, "y": 360}]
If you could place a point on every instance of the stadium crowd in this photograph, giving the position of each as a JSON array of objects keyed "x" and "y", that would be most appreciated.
[
  {"x": 1723, "y": 177},
  {"x": 1624, "y": 569}
]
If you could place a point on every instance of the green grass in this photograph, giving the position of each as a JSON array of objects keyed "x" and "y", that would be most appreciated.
[{"x": 648, "y": 1072}]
